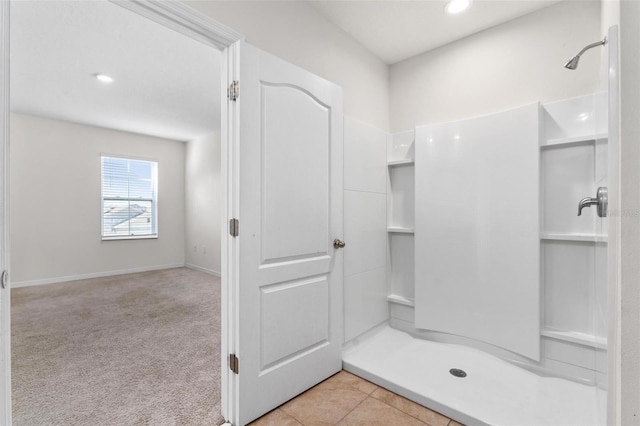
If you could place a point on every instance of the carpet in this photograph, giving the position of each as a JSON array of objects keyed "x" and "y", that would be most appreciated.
[{"x": 131, "y": 349}]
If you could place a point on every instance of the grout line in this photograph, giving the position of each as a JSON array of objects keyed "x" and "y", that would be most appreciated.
[
  {"x": 367, "y": 395},
  {"x": 409, "y": 414},
  {"x": 401, "y": 410},
  {"x": 291, "y": 415},
  {"x": 359, "y": 403}
]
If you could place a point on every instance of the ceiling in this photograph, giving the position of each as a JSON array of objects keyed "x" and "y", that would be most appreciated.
[
  {"x": 175, "y": 99},
  {"x": 179, "y": 99},
  {"x": 395, "y": 30}
]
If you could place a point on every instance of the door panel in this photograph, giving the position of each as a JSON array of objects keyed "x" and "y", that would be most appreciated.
[
  {"x": 296, "y": 143},
  {"x": 282, "y": 338},
  {"x": 290, "y": 210}
]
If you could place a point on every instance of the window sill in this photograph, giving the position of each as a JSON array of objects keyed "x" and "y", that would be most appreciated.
[{"x": 131, "y": 237}]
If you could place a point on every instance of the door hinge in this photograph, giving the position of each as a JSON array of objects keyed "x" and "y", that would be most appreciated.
[
  {"x": 233, "y": 363},
  {"x": 233, "y": 91},
  {"x": 234, "y": 227}
]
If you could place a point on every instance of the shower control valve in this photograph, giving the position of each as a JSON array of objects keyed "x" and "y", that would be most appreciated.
[{"x": 601, "y": 200}]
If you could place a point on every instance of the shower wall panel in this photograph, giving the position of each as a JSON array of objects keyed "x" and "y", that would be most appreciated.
[
  {"x": 574, "y": 155},
  {"x": 477, "y": 229},
  {"x": 365, "y": 222}
]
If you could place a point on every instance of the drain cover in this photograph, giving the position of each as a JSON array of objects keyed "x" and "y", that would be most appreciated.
[{"x": 457, "y": 372}]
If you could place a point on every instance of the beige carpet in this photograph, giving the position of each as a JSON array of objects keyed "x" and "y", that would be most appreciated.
[{"x": 126, "y": 350}]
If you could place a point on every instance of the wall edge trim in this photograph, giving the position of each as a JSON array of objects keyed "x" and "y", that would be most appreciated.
[
  {"x": 67, "y": 278},
  {"x": 201, "y": 269}
]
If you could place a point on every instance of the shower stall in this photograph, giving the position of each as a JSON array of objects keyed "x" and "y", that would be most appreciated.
[{"x": 498, "y": 252}]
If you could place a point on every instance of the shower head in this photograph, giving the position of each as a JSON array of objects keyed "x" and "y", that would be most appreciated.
[{"x": 572, "y": 63}]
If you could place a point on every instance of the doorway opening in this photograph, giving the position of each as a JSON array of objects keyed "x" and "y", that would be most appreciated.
[{"x": 105, "y": 326}]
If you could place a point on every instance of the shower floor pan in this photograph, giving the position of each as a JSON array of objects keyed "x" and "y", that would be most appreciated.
[{"x": 494, "y": 392}]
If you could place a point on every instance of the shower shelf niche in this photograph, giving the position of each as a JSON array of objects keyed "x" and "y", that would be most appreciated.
[
  {"x": 573, "y": 156},
  {"x": 401, "y": 300},
  {"x": 574, "y": 140},
  {"x": 400, "y": 163},
  {"x": 400, "y": 219},
  {"x": 573, "y": 237},
  {"x": 400, "y": 230},
  {"x": 576, "y": 337}
]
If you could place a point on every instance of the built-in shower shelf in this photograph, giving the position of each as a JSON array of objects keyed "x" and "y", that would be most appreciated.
[
  {"x": 400, "y": 230},
  {"x": 574, "y": 140},
  {"x": 573, "y": 237},
  {"x": 394, "y": 298},
  {"x": 399, "y": 163},
  {"x": 576, "y": 337}
]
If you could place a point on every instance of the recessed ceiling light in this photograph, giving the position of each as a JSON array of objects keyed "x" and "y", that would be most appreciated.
[
  {"x": 103, "y": 78},
  {"x": 456, "y": 6}
]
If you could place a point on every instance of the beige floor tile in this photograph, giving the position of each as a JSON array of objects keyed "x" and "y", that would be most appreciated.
[
  {"x": 375, "y": 412},
  {"x": 346, "y": 379},
  {"x": 416, "y": 410},
  {"x": 276, "y": 417},
  {"x": 324, "y": 404}
]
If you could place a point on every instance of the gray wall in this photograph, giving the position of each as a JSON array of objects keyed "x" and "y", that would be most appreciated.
[
  {"x": 56, "y": 202},
  {"x": 629, "y": 236},
  {"x": 202, "y": 203}
]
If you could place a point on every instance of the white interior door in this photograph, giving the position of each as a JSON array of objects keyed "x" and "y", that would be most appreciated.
[
  {"x": 289, "y": 275},
  {"x": 5, "y": 326}
]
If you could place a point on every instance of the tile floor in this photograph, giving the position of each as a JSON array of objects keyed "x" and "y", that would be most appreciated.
[{"x": 346, "y": 399}]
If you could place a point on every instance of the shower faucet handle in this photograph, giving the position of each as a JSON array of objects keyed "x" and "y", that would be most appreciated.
[{"x": 601, "y": 200}]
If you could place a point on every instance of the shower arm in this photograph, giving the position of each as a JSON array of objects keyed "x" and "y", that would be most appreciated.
[{"x": 592, "y": 45}]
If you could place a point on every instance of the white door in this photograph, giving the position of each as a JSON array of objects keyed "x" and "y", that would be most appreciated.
[
  {"x": 5, "y": 326},
  {"x": 289, "y": 205}
]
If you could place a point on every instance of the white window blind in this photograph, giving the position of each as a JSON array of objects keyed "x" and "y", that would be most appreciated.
[{"x": 129, "y": 198}]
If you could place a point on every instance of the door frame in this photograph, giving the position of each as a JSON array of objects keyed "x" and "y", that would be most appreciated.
[
  {"x": 5, "y": 294},
  {"x": 188, "y": 21}
]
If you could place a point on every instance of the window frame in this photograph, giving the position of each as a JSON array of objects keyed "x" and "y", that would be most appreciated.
[{"x": 153, "y": 200}]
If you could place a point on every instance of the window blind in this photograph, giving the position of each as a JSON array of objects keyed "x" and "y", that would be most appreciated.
[{"x": 129, "y": 198}]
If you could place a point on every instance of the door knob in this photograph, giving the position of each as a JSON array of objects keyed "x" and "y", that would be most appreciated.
[
  {"x": 601, "y": 200},
  {"x": 338, "y": 244}
]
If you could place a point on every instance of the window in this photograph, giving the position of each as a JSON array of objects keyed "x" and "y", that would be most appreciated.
[{"x": 129, "y": 198}]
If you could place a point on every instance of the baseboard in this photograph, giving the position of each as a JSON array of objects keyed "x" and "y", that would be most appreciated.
[
  {"x": 30, "y": 283},
  {"x": 201, "y": 269}
]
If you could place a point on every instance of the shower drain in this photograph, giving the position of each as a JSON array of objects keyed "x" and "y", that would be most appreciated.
[{"x": 457, "y": 372}]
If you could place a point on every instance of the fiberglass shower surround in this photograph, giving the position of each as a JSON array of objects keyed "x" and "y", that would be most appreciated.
[{"x": 497, "y": 284}]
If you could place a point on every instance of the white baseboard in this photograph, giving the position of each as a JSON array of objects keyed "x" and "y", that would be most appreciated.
[
  {"x": 201, "y": 269},
  {"x": 93, "y": 275}
]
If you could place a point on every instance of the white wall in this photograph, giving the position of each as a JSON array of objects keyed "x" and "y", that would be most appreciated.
[
  {"x": 202, "y": 203},
  {"x": 55, "y": 201},
  {"x": 365, "y": 227},
  {"x": 503, "y": 67},
  {"x": 296, "y": 32}
]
